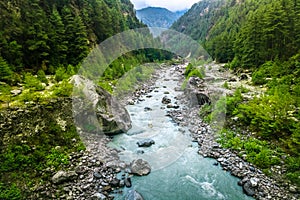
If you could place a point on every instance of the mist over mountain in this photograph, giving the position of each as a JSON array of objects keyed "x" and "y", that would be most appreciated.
[{"x": 158, "y": 17}]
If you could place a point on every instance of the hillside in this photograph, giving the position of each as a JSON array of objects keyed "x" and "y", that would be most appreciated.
[
  {"x": 261, "y": 37},
  {"x": 158, "y": 17},
  {"x": 44, "y": 34}
]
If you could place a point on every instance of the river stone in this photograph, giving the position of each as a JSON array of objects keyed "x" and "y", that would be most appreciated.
[
  {"x": 63, "y": 176},
  {"x": 98, "y": 196},
  {"x": 254, "y": 182},
  {"x": 140, "y": 167},
  {"x": 133, "y": 195},
  {"x": 243, "y": 77},
  {"x": 248, "y": 189},
  {"x": 95, "y": 110},
  {"x": 127, "y": 182},
  {"x": 16, "y": 92},
  {"x": 145, "y": 143},
  {"x": 166, "y": 100}
]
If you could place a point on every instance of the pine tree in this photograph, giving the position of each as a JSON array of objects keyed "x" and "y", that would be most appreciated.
[
  {"x": 76, "y": 36},
  {"x": 57, "y": 40},
  {"x": 36, "y": 36},
  {"x": 5, "y": 71}
]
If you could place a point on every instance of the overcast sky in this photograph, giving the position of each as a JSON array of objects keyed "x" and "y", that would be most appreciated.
[{"x": 173, "y": 5}]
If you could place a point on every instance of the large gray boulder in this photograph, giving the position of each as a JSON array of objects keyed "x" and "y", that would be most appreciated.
[
  {"x": 133, "y": 195},
  {"x": 140, "y": 167},
  {"x": 96, "y": 110}
]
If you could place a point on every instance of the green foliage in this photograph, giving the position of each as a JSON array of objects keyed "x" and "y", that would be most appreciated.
[
  {"x": 28, "y": 96},
  {"x": 258, "y": 152},
  {"x": 5, "y": 71},
  {"x": 46, "y": 34},
  {"x": 268, "y": 115},
  {"x": 62, "y": 89},
  {"x": 57, "y": 157},
  {"x": 133, "y": 78},
  {"x": 60, "y": 74},
  {"x": 191, "y": 70},
  {"x": 33, "y": 82},
  {"x": 232, "y": 102},
  {"x": 42, "y": 76},
  {"x": 293, "y": 166},
  {"x": 9, "y": 192},
  {"x": 226, "y": 85}
]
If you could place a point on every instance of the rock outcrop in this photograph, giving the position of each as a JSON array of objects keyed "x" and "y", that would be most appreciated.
[{"x": 95, "y": 110}]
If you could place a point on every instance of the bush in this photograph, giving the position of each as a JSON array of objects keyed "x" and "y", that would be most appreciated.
[
  {"x": 232, "y": 102},
  {"x": 42, "y": 76},
  {"x": 32, "y": 82},
  {"x": 191, "y": 70},
  {"x": 258, "y": 152},
  {"x": 5, "y": 71},
  {"x": 60, "y": 74},
  {"x": 226, "y": 85},
  {"x": 63, "y": 89},
  {"x": 268, "y": 115}
]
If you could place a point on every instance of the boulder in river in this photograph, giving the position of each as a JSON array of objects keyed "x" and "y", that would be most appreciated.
[
  {"x": 166, "y": 100},
  {"x": 97, "y": 111},
  {"x": 145, "y": 143},
  {"x": 127, "y": 182},
  {"x": 140, "y": 167},
  {"x": 147, "y": 109},
  {"x": 133, "y": 195}
]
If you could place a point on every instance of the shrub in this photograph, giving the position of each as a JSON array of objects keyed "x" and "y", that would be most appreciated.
[
  {"x": 32, "y": 82},
  {"x": 5, "y": 71},
  {"x": 42, "y": 76},
  {"x": 60, "y": 74},
  {"x": 268, "y": 115},
  {"x": 193, "y": 71},
  {"x": 63, "y": 89},
  {"x": 226, "y": 85}
]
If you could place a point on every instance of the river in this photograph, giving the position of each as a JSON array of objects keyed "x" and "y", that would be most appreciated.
[{"x": 178, "y": 171}]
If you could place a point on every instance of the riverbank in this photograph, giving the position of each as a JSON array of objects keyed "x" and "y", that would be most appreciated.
[{"x": 254, "y": 182}]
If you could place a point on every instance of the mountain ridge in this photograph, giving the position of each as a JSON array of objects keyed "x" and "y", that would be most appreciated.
[{"x": 158, "y": 16}]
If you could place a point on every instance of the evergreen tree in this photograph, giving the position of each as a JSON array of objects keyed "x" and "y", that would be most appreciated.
[
  {"x": 57, "y": 40},
  {"x": 36, "y": 49},
  {"x": 5, "y": 71}
]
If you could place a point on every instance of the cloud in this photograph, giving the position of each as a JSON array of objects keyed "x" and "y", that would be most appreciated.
[{"x": 169, "y": 4}]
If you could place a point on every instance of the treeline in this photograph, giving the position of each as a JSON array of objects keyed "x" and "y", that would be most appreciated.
[
  {"x": 48, "y": 34},
  {"x": 246, "y": 31}
]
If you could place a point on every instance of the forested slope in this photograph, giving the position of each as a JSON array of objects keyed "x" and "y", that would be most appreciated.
[
  {"x": 263, "y": 37},
  {"x": 46, "y": 34}
]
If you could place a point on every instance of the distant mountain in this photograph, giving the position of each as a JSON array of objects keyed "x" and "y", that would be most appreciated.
[{"x": 158, "y": 17}]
